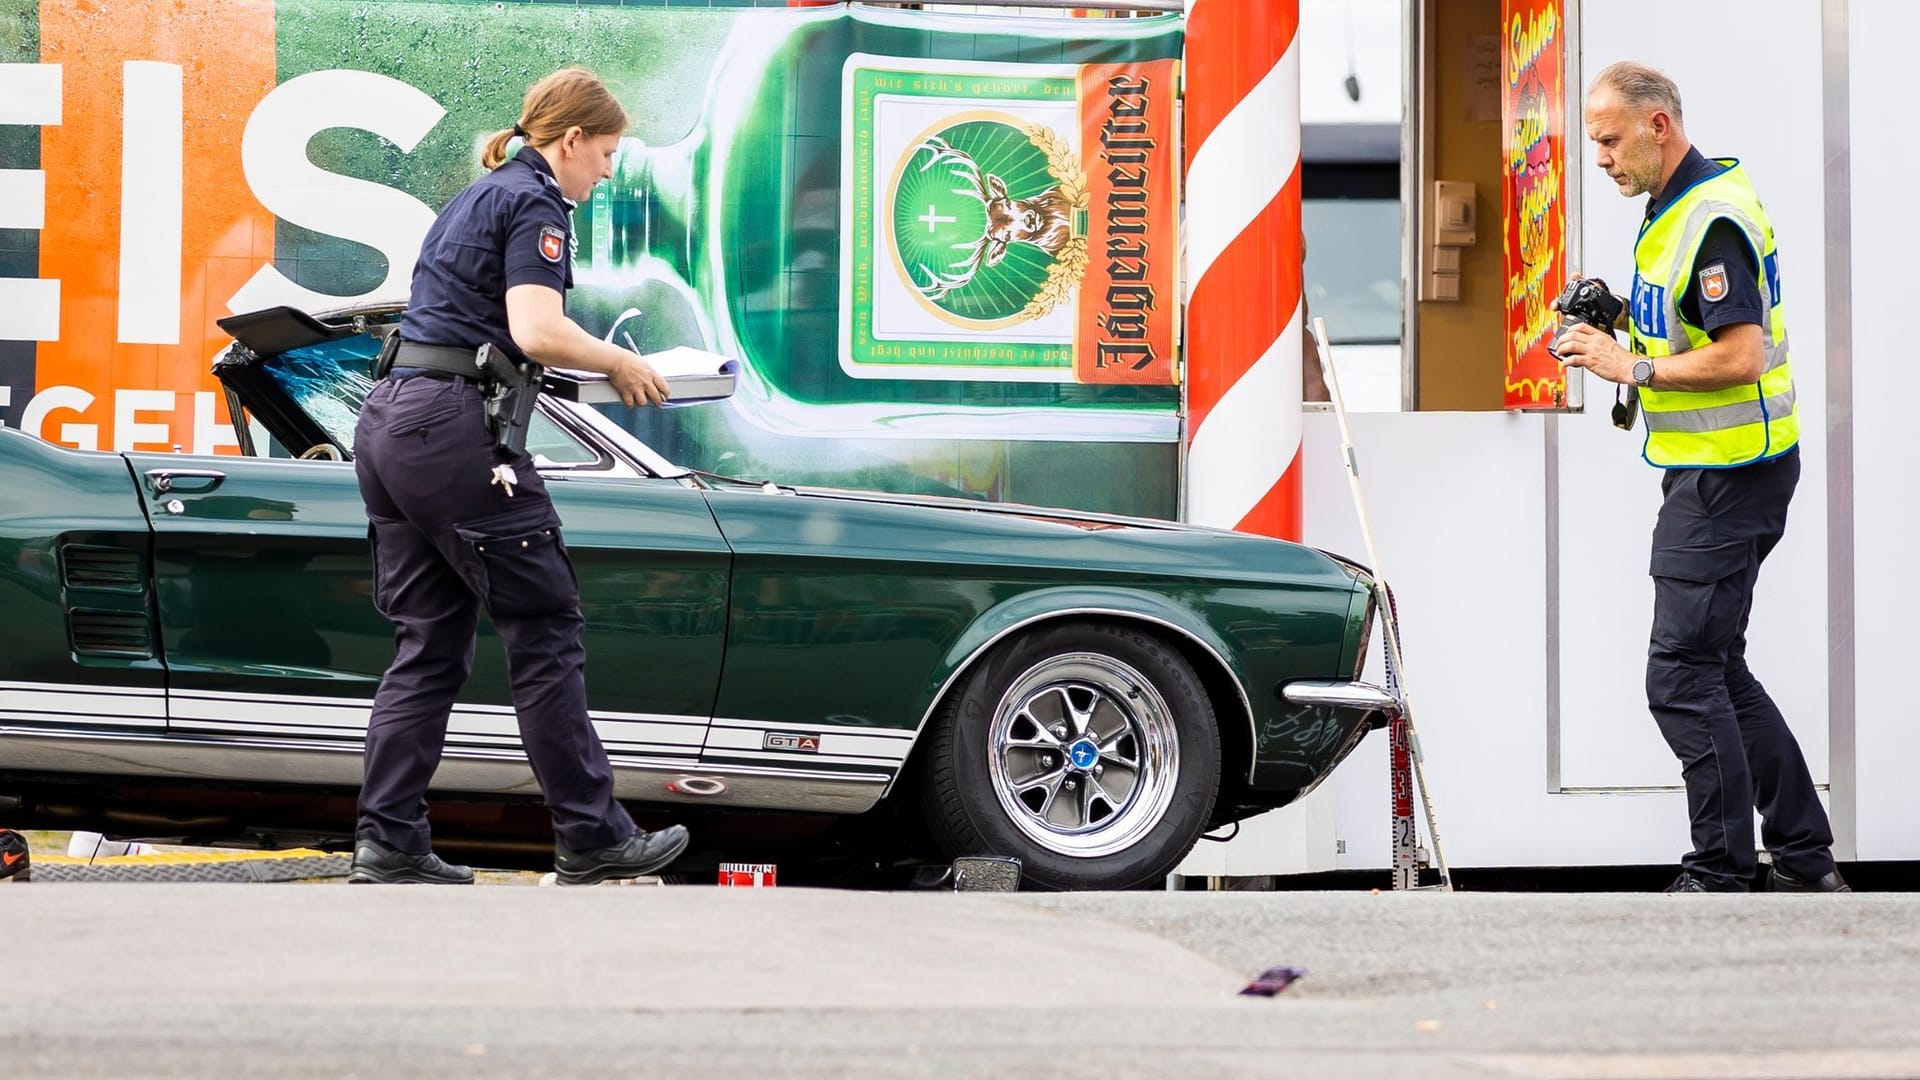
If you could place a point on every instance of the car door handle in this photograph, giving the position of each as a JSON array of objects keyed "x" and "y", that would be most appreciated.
[{"x": 162, "y": 481}]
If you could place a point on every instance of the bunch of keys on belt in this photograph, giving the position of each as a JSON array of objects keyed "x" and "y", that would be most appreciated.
[{"x": 503, "y": 476}]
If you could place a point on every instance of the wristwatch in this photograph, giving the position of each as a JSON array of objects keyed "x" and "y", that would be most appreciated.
[{"x": 1643, "y": 372}]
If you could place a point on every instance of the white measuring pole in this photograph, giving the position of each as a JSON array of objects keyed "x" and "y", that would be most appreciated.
[{"x": 1383, "y": 600}]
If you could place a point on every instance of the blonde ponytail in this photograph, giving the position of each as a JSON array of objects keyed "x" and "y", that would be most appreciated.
[
  {"x": 566, "y": 99},
  {"x": 495, "y": 154}
]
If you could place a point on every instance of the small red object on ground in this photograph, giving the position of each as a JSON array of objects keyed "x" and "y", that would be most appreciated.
[{"x": 746, "y": 875}]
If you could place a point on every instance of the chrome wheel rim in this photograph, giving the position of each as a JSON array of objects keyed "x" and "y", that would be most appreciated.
[{"x": 1083, "y": 755}]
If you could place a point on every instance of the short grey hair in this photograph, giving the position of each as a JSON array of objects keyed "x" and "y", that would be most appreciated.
[{"x": 1644, "y": 89}]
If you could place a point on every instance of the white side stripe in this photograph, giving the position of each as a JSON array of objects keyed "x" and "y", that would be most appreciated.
[
  {"x": 126, "y": 705},
  {"x": 472, "y": 725},
  {"x": 224, "y": 711},
  {"x": 721, "y": 722}
]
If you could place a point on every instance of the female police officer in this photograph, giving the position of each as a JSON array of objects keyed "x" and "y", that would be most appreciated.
[{"x": 458, "y": 524}]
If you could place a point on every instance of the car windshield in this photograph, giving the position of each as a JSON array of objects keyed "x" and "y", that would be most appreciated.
[{"x": 330, "y": 383}]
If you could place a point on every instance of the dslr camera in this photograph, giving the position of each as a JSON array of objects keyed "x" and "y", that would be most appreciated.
[{"x": 1585, "y": 300}]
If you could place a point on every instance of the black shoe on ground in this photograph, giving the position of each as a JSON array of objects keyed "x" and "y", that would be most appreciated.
[
  {"x": 374, "y": 863},
  {"x": 636, "y": 856},
  {"x": 16, "y": 859},
  {"x": 1687, "y": 883},
  {"x": 1779, "y": 880}
]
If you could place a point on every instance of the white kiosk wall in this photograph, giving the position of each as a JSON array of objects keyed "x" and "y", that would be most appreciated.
[
  {"x": 1460, "y": 507},
  {"x": 1886, "y": 455}
]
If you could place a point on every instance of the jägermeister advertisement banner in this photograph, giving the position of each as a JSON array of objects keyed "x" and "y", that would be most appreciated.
[
  {"x": 1009, "y": 221},
  {"x": 943, "y": 247}
]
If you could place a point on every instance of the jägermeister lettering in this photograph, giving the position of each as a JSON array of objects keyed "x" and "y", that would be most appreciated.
[{"x": 1127, "y": 147}]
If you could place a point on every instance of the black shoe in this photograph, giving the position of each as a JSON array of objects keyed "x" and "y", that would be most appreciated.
[
  {"x": 16, "y": 859},
  {"x": 1687, "y": 883},
  {"x": 374, "y": 863},
  {"x": 1779, "y": 880},
  {"x": 636, "y": 856}
]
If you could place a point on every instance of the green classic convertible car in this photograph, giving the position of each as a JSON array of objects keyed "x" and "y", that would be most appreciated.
[{"x": 189, "y": 650}]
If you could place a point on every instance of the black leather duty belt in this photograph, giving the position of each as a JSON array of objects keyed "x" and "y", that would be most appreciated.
[{"x": 439, "y": 360}]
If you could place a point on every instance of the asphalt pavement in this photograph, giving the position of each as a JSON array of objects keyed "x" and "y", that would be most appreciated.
[{"x": 301, "y": 980}]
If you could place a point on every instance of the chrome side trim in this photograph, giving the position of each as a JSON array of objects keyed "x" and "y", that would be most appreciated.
[
  {"x": 1843, "y": 705},
  {"x": 941, "y": 502},
  {"x": 1356, "y": 695},
  {"x": 474, "y": 770},
  {"x": 966, "y": 665}
]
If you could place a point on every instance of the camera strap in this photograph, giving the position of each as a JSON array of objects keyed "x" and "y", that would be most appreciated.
[{"x": 1625, "y": 410}]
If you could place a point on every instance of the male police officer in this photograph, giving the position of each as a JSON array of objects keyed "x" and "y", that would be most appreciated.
[{"x": 1710, "y": 366}]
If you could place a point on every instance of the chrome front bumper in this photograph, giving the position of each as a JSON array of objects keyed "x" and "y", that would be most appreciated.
[{"x": 1345, "y": 695}]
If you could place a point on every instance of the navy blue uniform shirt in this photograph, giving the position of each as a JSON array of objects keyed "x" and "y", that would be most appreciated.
[
  {"x": 510, "y": 227},
  {"x": 1724, "y": 251}
]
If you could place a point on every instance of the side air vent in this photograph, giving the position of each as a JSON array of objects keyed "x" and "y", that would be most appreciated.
[
  {"x": 111, "y": 633},
  {"x": 101, "y": 568}
]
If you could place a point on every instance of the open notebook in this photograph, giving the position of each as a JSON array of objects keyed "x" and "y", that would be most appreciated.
[{"x": 693, "y": 375}]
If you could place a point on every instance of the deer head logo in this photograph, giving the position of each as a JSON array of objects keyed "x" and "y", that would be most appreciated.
[{"x": 1045, "y": 220}]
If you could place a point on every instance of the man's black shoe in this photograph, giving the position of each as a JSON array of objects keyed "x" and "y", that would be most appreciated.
[
  {"x": 1687, "y": 883},
  {"x": 1779, "y": 880},
  {"x": 374, "y": 863},
  {"x": 636, "y": 856}
]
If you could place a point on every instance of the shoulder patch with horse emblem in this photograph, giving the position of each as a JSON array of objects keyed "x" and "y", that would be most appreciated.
[
  {"x": 1713, "y": 283},
  {"x": 553, "y": 242}
]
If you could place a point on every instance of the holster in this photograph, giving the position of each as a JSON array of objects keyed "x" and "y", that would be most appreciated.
[
  {"x": 512, "y": 390},
  {"x": 383, "y": 363}
]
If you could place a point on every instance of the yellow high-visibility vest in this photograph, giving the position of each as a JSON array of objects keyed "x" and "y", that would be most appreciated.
[{"x": 1713, "y": 428}]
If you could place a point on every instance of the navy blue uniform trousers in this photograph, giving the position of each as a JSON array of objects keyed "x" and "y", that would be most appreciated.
[
  {"x": 1736, "y": 752},
  {"x": 447, "y": 543}
]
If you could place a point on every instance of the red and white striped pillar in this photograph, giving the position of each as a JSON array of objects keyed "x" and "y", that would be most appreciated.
[{"x": 1244, "y": 312}]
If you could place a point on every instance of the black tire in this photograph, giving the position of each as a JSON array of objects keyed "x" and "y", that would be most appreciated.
[{"x": 965, "y": 798}]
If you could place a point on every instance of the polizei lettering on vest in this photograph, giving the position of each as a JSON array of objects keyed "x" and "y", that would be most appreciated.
[{"x": 1124, "y": 145}]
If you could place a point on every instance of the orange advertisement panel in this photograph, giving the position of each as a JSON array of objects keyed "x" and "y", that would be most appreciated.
[
  {"x": 1129, "y": 317},
  {"x": 1533, "y": 195},
  {"x": 149, "y": 227}
]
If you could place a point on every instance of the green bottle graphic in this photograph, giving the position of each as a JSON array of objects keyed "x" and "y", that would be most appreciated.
[{"x": 885, "y": 216}]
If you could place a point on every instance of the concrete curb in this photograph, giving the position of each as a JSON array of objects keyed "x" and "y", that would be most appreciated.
[{"x": 254, "y": 867}]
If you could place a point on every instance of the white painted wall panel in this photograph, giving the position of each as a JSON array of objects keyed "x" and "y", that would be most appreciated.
[
  {"x": 1458, "y": 508},
  {"x": 1885, "y": 159}
]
